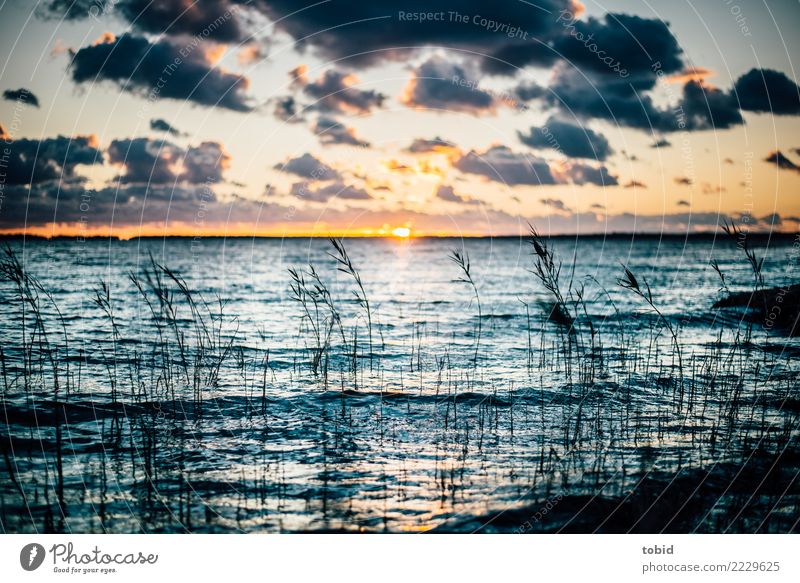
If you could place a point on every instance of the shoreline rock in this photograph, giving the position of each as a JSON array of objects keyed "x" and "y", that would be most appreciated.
[{"x": 776, "y": 308}]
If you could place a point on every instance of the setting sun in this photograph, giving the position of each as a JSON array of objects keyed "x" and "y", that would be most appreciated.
[{"x": 401, "y": 232}]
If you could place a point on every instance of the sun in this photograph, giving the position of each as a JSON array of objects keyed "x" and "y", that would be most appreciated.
[{"x": 401, "y": 232}]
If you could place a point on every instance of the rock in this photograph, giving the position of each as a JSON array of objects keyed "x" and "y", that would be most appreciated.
[{"x": 775, "y": 308}]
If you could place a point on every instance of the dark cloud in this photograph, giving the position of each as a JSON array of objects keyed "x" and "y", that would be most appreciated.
[
  {"x": 437, "y": 144},
  {"x": 51, "y": 159},
  {"x": 147, "y": 161},
  {"x": 307, "y": 166},
  {"x": 367, "y": 33},
  {"x": 620, "y": 45},
  {"x": 683, "y": 203},
  {"x": 634, "y": 184},
  {"x": 441, "y": 84},
  {"x": 22, "y": 95},
  {"x": 160, "y": 70},
  {"x": 529, "y": 91},
  {"x": 205, "y": 163},
  {"x": 570, "y": 139},
  {"x": 707, "y": 107},
  {"x": 123, "y": 206},
  {"x": 662, "y": 143},
  {"x": 611, "y": 65},
  {"x": 336, "y": 92},
  {"x": 766, "y": 90},
  {"x": 594, "y": 94},
  {"x": 446, "y": 193},
  {"x": 585, "y": 174},
  {"x": 501, "y": 164},
  {"x": 599, "y": 96},
  {"x": 217, "y": 20},
  {"x": 683, "y": 180},
  {"x": 161, "y": 125},
  {"x": 781, "y": 161},
  {"x": 331, "y": 132},
  {"x": 628, "y": 103},
  {"x": 318, "y": 193},
  {"x": 286, "y": 109},
  {"x": 554, "y": 203}
]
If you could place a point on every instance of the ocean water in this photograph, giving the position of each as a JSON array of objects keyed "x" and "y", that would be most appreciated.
[{"x": 180, "y": 385}]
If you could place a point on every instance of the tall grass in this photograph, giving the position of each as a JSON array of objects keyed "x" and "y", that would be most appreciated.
[{"x": 461, "y": 259}]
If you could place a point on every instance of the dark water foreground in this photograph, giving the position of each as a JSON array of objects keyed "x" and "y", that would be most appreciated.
[{"x": 178, "y": 396}]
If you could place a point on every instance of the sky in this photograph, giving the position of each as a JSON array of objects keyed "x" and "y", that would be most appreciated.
[{"x": 282, "y": 118}]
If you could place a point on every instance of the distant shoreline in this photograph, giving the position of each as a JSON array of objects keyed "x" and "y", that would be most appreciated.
[{"x": 614, "y": 235}]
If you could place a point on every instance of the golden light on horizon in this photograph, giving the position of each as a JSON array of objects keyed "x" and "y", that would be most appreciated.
[{"x": 401, "y": 232}]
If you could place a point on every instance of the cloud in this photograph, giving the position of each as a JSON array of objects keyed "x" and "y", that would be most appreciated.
[
  {"x": 662, "y": 143},
  {"x": 216, "y": 20},
  {"x": 683, "y": 203},
  {"x": 599, "y": 96},
  {"x": 570, "y": 139},
  {"x": 555, "y": 204},
  {"x": 766, "y": 90},
  {"x": 781, "y": 161},
  {"x": 286, "y": 109},
  {"x": 528, "y": 91},
  {"x": 160, "y": 70},
  {"x": 147, "y": 161},
  {"x": 307, "y": 166},
  {"x": 437, "y": 144},
  {"x": 331, "y": 132},
  {"x": 251, "y": 54},
  {"x": 366, "y": 34},
  {"x": 634, "y": 184},
  {"x": 446, "y": 193},
  {"x": 619, "y": 44},
  {"x": 683, "y": 180},
  {"x": 711, "y": 189},
  {"x": 159, "y": 207},
  {"x": 21, "y": 95},
  {"x": 626, "y": 102},
  {"x": 51, "y": 159},
  {"x": 585, "y": 174},
  {"x": 161, "y": 125},
  {"x": 501, "y": 164},
  {"x": 126, "y": 206},
  {"x": 205, "y": 163},
  {"x": 437, "y": 84},
  {"x": 707, "y": 107},
  {"x": 340, "y": 190},
  {"x": 336, "y": 92},
  {"x": 701, "y": 106}
]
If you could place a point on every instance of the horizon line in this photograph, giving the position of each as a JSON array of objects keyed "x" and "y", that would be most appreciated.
[{"x": 649, "y": 234}]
